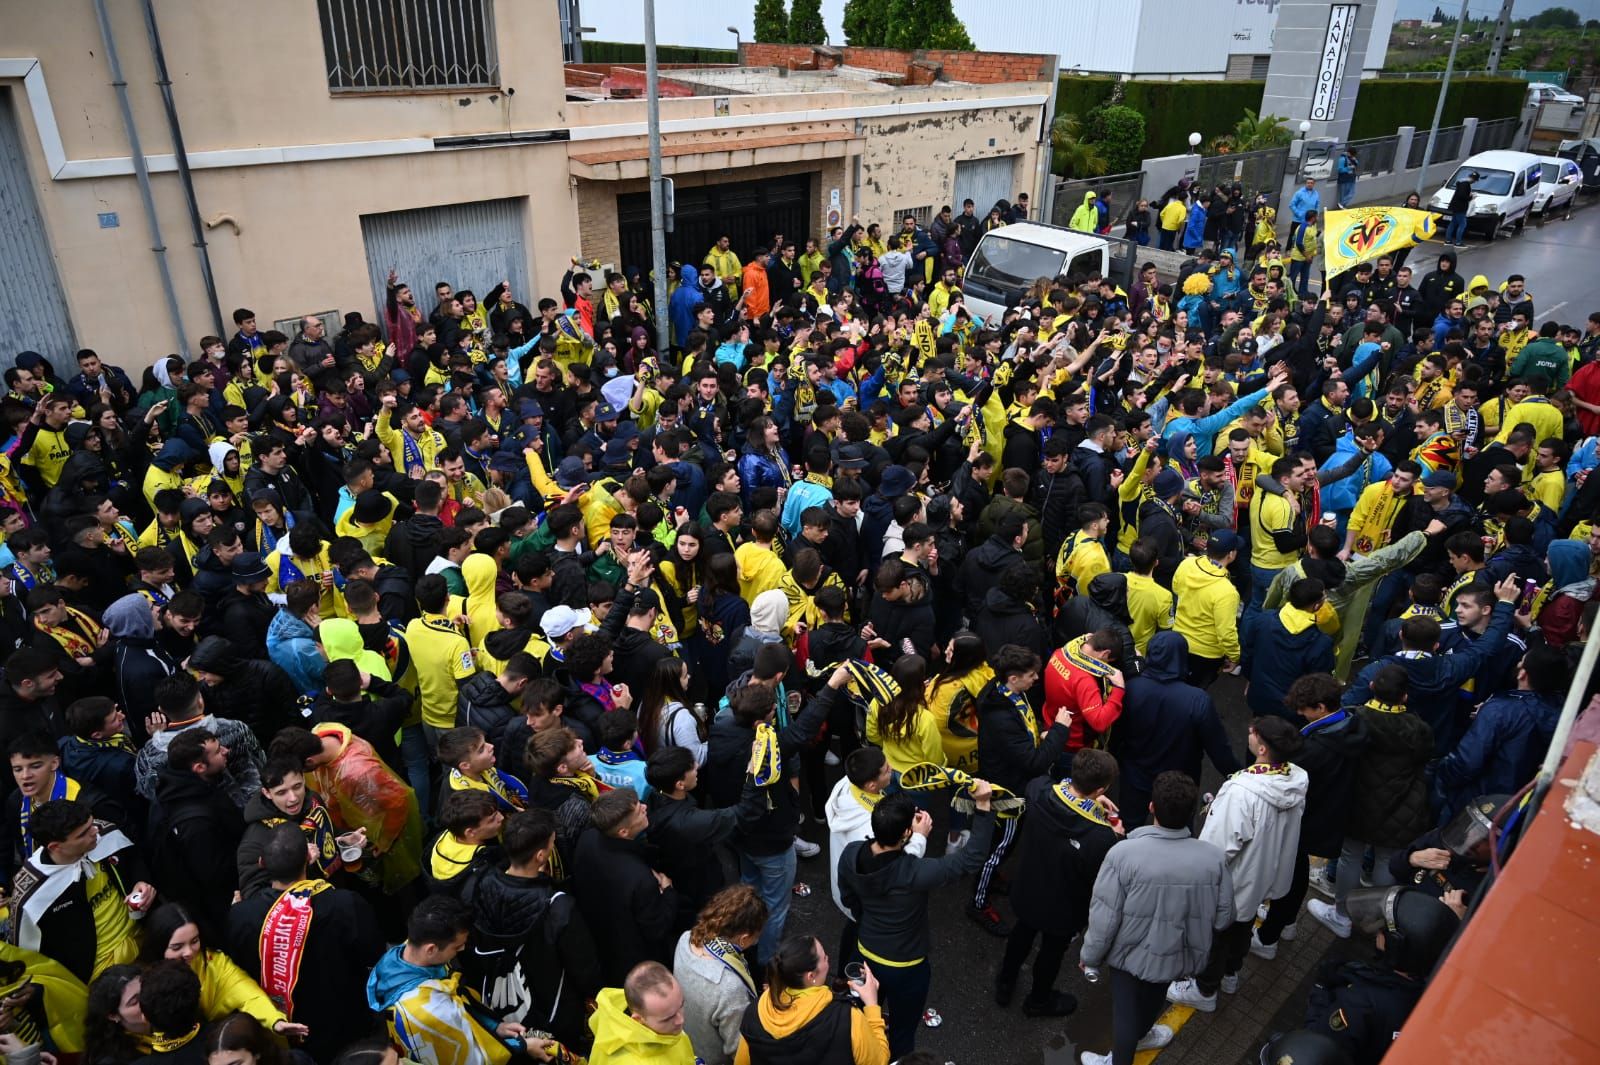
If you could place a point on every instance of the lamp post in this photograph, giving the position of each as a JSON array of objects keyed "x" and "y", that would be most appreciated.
[
  {"x": 1438, "y": 110},
  {"x": 1194, "y": 143},
  {"x": 735, "y": 31},
  {"x": 658, "y": 232}
]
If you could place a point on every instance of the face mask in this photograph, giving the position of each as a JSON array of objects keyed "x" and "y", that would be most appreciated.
[{"x": 611, "y": 371}]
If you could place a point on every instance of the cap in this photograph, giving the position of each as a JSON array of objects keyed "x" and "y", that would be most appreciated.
[
  {"x": 247, "y": 568},
  {"x": 897, "y": 481},
  {"x": 1167, "y": 484},
  {"x": 560, "y": 620},
  {"x": 29, "y": 360},
  {"x": 1224, "y": 539},
  {"x": 605, "y": 412},
  {"x": 529, "y": 408},
  {"x": 850, "y": 458},
  {"x": 1247, "y": 347},
  {"x": 1440, "y": 479},
  {"x": 504, "y": 462},
  {"x": 617, "y": 452},
  {"x": 570, "y": 473},
  {"x": 626, "y": 430}
]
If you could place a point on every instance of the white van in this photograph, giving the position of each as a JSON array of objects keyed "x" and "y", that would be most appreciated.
[
  {"x": 1503, "y": 190},
  {"x": 1008, "y": 260}
]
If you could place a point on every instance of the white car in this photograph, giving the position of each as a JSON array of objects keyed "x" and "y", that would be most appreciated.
[
  {"x": 1542, "y": 92},
  {"x": 1503, "y": 187},
  {"x": 1559, "y": 181}
]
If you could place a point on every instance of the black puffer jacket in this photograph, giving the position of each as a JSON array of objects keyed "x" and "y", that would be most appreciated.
[
  {"x": 1331, "y": 754},
  {"x": 1391, "y": 788},
  {"x": 981, "y": 569},
  {"x": 1104, "y": 607},
  {"x": 484, "y": 704},
  {"x": 533, "y": 960}
]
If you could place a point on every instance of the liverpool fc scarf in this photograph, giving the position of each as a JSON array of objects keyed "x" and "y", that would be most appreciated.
[{"x": 283, "y": 941}]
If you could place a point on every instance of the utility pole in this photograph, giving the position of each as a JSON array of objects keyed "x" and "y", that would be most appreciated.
[
  {"x": 658, "y": 218},
  {"x": 1502, "y": 30},
  {"x": 1438, "y": 110}
]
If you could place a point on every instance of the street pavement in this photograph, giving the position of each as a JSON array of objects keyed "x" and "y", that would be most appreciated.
[{"x": 1272, "y": 997}]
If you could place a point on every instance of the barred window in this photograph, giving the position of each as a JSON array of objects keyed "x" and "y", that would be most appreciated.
[
  {"x": 401, "y": 45},
  {"x": 923, "y": 215}
]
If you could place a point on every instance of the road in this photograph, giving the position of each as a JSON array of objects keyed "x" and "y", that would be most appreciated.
[
  {"x": 1273, "y": 994},
  {"x": 1549, "y": 255}
]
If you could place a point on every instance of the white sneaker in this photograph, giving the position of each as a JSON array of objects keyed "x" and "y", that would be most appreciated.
[
  {"x": 1158, "y": 1036},
  {"x": 1288, "y": 933},
  {"x": 1329, "y": 916},
  {"x": 805, "y": 848},
  {"x": 830, "y": 759},
  {"x": 961, "y": 840},
  {"x": 1230, "y": 984},
  {"x": 1262, "y": 950},
  {"x": 1188, "y": 993},
  {"x": 1089, "y": 1057},
  {"x": 1321, "y": 882}
]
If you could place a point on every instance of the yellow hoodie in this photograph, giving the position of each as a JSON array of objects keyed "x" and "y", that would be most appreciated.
[
  {"x": 621, "y": 1040},
  {"x": 1208, "y": 608},
  {"x": 869, "y": 1040},
  {"x": 480, "y": 572}
]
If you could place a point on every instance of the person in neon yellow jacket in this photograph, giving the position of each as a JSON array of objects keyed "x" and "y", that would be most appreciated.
[
  {"x": 641, "y": 1023},
  {"x": 1086, "y": 219}
]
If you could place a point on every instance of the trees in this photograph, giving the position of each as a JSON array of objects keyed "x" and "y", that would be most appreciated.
[
  {"x": 866, "y": 22},
  {"x": 1117, "y": 133},
  {"x": 805, "y": 23},
  {"x": 1252, "y": 133},
  {"x": 1555, "y": 18},
  {"x": 772, "y": 22},
  {"x": 1070, "y": 154}
]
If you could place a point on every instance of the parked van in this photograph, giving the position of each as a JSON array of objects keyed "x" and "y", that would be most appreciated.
[
  {"x": 1008, "y": 260},
  {"x": 1503, "y": 190}
]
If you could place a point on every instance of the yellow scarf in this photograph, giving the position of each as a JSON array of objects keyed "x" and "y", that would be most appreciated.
[
  {"x": 1081, "y": 659},
  {"x": 925, "y": 776},
  {"x": 766, "y": 761},
  {"x": 585, "y": 784},
  {"x": 868, "y": 799},
  {"x": 1087, "y": 808},
  {"x": 79, "y": 640}
]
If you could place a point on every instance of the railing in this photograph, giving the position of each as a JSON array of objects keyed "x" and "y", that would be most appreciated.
[
  {"x": 404, "y": 45},
  {"x": 1376, "y": 154},
  {"x": 1550, "y": 77},
  {"x": 1497, "y": 133},
  {"x": 1120, "y": 192},
  {"x": 1448, "y": 146},
  {"x": 1258, "y": 171}
]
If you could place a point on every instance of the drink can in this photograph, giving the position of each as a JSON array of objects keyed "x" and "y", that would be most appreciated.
[{"x": 1091, "y": 974}]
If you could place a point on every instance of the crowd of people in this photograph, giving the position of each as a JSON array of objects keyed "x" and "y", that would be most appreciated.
[{"x": 467, "y": 686}]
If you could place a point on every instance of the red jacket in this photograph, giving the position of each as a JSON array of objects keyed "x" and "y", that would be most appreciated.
[{"x": 1066, "y": 687}]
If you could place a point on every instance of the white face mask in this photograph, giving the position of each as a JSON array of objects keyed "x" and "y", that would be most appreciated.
[{"x": 611, "y": 371}]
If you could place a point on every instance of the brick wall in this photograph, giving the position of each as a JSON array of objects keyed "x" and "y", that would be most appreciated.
[{"x": 982, "y": 68}]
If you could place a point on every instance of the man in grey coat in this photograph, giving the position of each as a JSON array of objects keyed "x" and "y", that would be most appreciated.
[{"x": 1160, "y": 898}]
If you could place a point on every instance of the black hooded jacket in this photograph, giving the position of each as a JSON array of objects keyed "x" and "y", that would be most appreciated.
[
  {"x": 1439, "y": 287},
  {"x": 195, "y": 831},
  {"x": 1004, "y": 620},
  {"x": 1104, "y": 607},
  {"x": 533, "y": 960},
  {"x": 255, "y": 691}
]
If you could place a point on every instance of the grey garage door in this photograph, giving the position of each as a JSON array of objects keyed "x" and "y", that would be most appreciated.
[
  {"x": 33, "y": 314},
  {"x": 471, "y": 245},
  {"x": 984, "y": 181}
]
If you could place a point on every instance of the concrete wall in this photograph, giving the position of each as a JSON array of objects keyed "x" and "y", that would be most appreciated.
[{"x": 298, "y": 247}]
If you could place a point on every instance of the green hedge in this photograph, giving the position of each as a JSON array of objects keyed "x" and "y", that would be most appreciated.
[
  {"x": 1174, "y": 109},
  {"x": 621, "y": 52},
  {"x": 1385, "y": 104}
]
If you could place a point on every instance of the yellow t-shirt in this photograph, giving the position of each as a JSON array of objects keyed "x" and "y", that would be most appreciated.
[
  {"x": 116, "y": 942},
  {"x": 442, "y": 658},
  {"x": 1549, "y": 488},
  {"x": 954, "y": 705},
  {"x": 48, "y": 454},
  {"x": 1268, "y": 513},
  {"x": 1150, "y": 605},
  {"x": 922, "y": 742}
]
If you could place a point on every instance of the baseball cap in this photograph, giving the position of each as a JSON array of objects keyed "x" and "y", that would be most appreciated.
[{"x": 560, "y": 620}]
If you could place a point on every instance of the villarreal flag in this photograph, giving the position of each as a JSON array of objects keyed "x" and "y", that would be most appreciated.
[{"x": 1364, "y": 233}]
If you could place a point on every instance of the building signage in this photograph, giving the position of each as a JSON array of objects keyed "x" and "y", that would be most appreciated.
[{"x": 1330, "y": 67}]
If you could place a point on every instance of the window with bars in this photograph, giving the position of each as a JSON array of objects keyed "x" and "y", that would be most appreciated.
[
  {"x": 403, "y": 45},
  {"x": 923, "y": 215}
]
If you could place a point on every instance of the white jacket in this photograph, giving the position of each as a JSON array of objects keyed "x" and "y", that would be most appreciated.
[
  {"x": 849, "y": 821},
  {"x": 1255, "y": 820}
]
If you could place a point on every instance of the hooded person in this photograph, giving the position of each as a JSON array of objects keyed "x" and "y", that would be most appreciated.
[
  {"x": 1086, "y": 218},
  {"x": 1560, "y": 603},
  {"x": 767, "y": 615},
  {"x": 1286, "y": 645},
  {"x": 685, "y": 298},
  {"x": 136, "y": 655},
  {"x": 480, "y": 571},
  {"x": 255, "y": 691},
  {"x": 1104, "y": 607},
  {"x": 166, "y": 469},
  {"x": 219, "y": 450},
  {"x": 1166, "y": 724},
  {"x": 625, "y": 1019}
]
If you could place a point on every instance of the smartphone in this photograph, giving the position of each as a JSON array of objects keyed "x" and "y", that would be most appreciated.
[{"x": 1530, "y": 588}]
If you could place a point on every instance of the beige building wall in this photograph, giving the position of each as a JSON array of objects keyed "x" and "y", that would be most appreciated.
[
  {"x": 298, "y": 245},
  {"x": 910, "y": 163}
]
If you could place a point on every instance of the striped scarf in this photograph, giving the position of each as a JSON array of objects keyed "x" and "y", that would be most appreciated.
[
  {"x": 925, "y": 776},
  {"x": 1078, "y": 657},
  {"x": 1020, "y": 701},
  {"x": 1087, "y": 808},
  {"x": 766, "y": 760}
]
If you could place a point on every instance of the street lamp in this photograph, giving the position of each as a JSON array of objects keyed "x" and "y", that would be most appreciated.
[
  {"x": 1194, "y": 143},
  {"x": 1305, "y": 127},
  {"x": 735, "y": 31}
]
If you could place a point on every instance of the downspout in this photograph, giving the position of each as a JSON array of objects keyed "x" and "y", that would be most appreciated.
[
  {"x": 142, "y": 174},
  {"x": 164, "y": 81},
  {"x": 1044, "y": 181}
]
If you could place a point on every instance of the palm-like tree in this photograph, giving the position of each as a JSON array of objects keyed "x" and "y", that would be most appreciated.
[
  {"x": 1253, "y": 133},
  {"x": 1070, "y": 156}
]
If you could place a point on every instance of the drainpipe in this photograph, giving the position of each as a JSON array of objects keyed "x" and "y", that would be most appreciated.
[
  {"x": 164, "y": 81},
  {"x": 142, "y": 173}
]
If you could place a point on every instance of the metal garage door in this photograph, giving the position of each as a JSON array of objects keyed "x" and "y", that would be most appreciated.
[
  {"x": 748, "y": 212},
  {"x": 33, "y": 314},
  {"x": 471, "y": 245},
  {"x": 984, "y": 181}
]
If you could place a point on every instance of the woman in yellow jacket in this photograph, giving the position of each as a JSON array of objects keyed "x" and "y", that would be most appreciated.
[
  {"x": 173, "y": 934},
  {"x": 904, "y": 726},
  {"x": 797, "y": 1018}
]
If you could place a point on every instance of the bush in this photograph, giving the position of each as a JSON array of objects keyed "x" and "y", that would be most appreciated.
[
  {"x": 1118, "y": 132},
  {"x": 622, "y": 52},
  {"x": 1385, "y": 104},
  {"x": 805, "y": 22}
]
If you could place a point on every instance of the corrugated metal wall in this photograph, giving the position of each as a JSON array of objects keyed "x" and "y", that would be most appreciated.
[
  {"x": 33, "y": 313},
  {"x": 471, "y": 245},
  {"x": 984, "y": 181}
]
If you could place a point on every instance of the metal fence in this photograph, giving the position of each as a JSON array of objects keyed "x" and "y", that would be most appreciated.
[
  {"x": 1260, "y": 171},
  {"x": 403, "y": 45},
  {"x": 1377, "y": 154},
  {"x": 1448, "y": 146},
  {"x": 1119, "y": 192},
  {"x": 1498, "y": 133}
]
